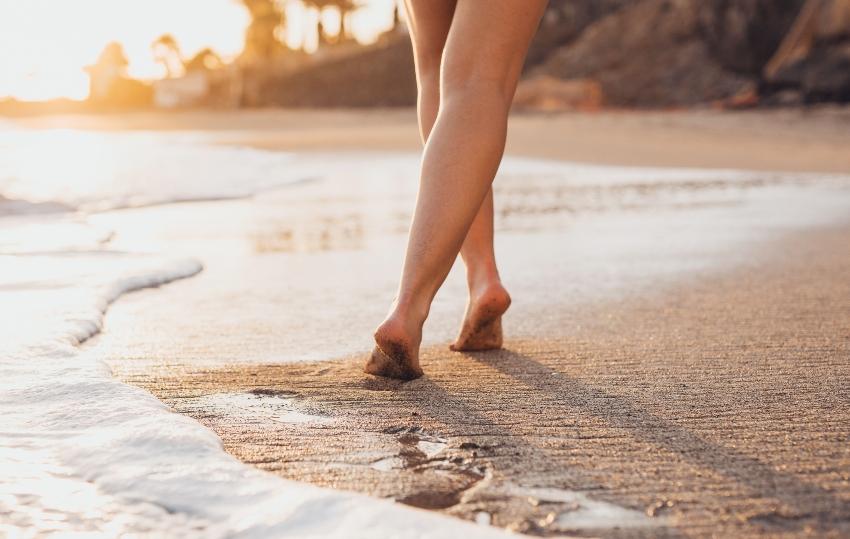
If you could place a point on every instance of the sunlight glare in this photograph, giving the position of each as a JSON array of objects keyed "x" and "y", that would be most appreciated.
[{"x": 54, "y": 41}]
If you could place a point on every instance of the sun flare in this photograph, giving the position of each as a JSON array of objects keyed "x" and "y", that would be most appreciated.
[{"x": 48, "y": 44}]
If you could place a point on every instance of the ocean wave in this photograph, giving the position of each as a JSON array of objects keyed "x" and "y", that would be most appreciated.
[
  {"x": 92, "y": 171},
  {"x": 10, "y": 207}
]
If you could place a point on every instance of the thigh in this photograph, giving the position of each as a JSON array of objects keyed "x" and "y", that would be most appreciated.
[
  {"x": 429, "y": 22},
  {"x": 489, "y": 39}
]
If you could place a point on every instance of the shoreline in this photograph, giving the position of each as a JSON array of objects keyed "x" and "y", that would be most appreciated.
[
  {"x": 628, "y": 410},
  {"x": 580, "y": 429}
]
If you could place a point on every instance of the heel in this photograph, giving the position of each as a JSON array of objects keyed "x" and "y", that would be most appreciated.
[{"x": 396, "y": 365}]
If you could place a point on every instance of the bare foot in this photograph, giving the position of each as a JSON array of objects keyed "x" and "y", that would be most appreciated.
[
  {"x": 396, "y": 353},
  {"x": 482, "y": 325}
]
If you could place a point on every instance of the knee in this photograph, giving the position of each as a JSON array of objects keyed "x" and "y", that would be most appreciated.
[
  {"x": 479, "y": 83},
  {"x": 428, "y": 100},
  {"x": 428, "y": 80},
  {"x": 428, "y": 65}
]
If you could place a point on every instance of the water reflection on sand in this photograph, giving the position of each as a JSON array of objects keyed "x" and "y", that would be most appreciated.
[{"x": 306, "y": 271}]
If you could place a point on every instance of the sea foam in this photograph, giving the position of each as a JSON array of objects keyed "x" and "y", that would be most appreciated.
[
  {"x": 43, "y": 170},
  {"x": 81, "y": 452}
]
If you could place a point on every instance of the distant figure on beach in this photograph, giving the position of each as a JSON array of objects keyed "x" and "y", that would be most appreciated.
[{"x": 468, "y": 56}]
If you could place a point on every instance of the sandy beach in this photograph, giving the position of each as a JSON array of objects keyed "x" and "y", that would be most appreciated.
[
  {"x": 676, "y": 365},
  {"x": 206, "y": 210},
  {"x": 675, "y": 362},
  {"x": 814, "y": 139},
  {"x": 715, "y": 409}
]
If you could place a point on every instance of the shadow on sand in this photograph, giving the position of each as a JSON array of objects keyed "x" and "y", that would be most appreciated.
[{"x": 807, "y": 506}]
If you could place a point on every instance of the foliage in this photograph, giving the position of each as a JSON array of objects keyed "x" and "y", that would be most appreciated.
[
  {"x": 344, "y": 7},
  {"x": 205, "y": 60},
  {"x": 112, "y": 57},
  {"x": 261, "y": 40},
  {"x": 167, "y": 52}
]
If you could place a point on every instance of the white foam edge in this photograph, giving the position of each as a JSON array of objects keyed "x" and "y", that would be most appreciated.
[{"x": 147, "y": 469}]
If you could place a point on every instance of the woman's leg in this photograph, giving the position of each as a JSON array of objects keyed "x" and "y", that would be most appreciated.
[
  {"x": 488, "y": 299},
  {"x": 429, "y": 22},
  {"x": 482, "y": 60}
]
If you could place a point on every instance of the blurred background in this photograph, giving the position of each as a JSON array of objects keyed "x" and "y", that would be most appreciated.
[
  {"x": 269, "y": 149},
  {"x": 115, "y": 55}
]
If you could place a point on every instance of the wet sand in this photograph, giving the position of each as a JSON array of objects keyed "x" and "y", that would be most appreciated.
[
  {"x": 720, "y": 408},
  {"x": 709, "y": 399}
]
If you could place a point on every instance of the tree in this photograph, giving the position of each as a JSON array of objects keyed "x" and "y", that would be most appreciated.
[
  {"x": 261, "y": 36},
  {"x": 108, "y": 82},
  {"x": 343, "y": 7},
  {"x": 396, "y": 18},
  {"x": 205, "y": 60},
  {"x": 167, "y": 52},
  {"x": 112, "y": 59}
]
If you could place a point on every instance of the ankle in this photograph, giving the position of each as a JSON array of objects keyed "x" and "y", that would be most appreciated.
[
  {"x": 399, "y": 329},
  {"x": 482, "y": 281},
  {"x": 411, "y": 312}
]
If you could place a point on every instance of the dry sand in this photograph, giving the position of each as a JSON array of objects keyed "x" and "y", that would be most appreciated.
[
  {"x": 716, "y": 409},
  {"x": 816, "y": 139}
]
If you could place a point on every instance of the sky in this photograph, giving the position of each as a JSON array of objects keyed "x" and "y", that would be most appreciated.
[{"x": 46, "y": 44}]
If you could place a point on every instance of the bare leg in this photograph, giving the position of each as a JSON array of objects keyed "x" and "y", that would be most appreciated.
[
  {"x": 482, "y": 60},
  {"x": 430, "y": 21},
  {"x": 488, "y": 299}
]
